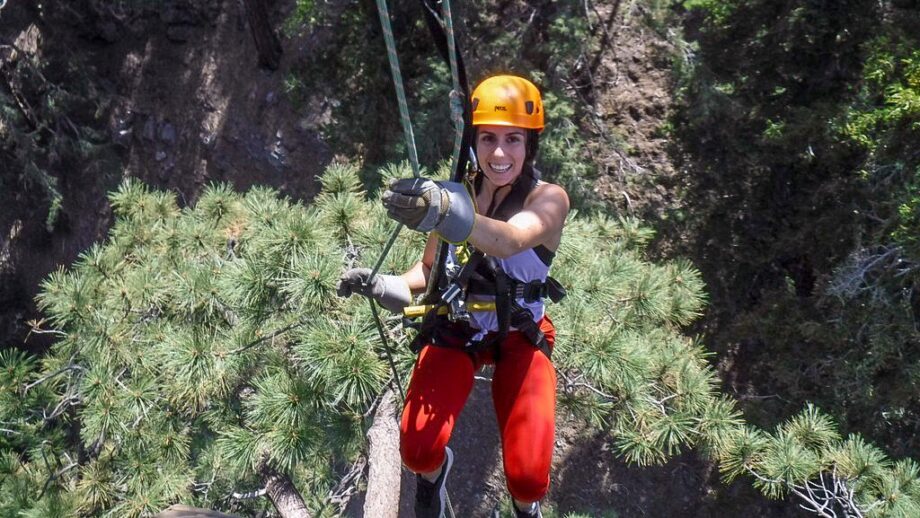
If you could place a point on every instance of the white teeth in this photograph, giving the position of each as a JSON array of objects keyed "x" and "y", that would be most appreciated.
[{"x": 500, "y": 168}]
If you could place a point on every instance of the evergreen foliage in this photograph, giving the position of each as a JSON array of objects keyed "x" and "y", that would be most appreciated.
[
  {"x": 199, "y": 345},
  {"x": 799, "y": 120}
]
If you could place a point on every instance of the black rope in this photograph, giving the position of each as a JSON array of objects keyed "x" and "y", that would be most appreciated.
[
  {"x": 439, "y": 35},
  {"x": 436, "y": 28}
]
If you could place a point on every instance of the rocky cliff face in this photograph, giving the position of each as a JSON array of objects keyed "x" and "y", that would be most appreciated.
[{"x": 168, "y": 92}]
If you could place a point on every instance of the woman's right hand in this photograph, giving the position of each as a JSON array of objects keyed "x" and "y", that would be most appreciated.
[
  {"x": 391, "y": 291},
  {"x": 425, "y": 205}
]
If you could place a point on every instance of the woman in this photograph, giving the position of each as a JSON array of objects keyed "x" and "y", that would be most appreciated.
[{"x": 515, "y": 222}]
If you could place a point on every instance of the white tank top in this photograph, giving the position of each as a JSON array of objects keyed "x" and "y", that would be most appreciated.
[{"x": 524, "y": 266}]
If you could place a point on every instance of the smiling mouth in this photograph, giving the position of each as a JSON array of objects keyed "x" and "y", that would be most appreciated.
[{"x": 500, "y": 168}]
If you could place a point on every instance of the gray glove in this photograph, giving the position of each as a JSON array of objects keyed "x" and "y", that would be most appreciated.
[
  {"x": 391, "y": 291},
  {"x": 425, "y": 205}
]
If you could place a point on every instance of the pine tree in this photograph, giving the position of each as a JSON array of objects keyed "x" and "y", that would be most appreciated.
[{"x": 203, "y": 358}]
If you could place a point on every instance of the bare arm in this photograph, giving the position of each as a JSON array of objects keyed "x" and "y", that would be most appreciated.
[
  {"x": 417, "y": 276},
  {"x": 540, "y": 222}
]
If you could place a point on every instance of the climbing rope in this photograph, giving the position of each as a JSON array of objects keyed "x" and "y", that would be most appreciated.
[
  {"x": 442, "y": 30},
  {"x": 457, "y": 100},
  {"x": 398, "y": 83},
  {"x": 457, "y": 108},
  {"x": 409, "y": 135},
  {"x": 457, "y": 114},
  {"x": 386, "y": 346}
]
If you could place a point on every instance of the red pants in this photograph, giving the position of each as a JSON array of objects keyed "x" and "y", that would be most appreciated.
[{"x": 524, "y": 395}]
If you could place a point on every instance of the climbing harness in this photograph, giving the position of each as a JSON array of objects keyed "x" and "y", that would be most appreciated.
[
  {"x": 444, "y": 303},
  {"x": 447, "y": 323},
  {"x": 420, "y": 311}
]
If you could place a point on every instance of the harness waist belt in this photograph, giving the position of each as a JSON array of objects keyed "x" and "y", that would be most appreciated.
[{"x": 531, "y": 291}]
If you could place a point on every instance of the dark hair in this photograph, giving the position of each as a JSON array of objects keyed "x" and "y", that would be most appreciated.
[{"x": 533, "y": 145}]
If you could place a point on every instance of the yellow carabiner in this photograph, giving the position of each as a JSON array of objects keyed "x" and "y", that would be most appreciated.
[{"x": 419, "y": 311}]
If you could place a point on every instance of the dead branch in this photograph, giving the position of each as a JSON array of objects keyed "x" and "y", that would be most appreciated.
[
  {"x": 825, "y": 496},
  {"x": 269, "y": 337},
  {"x": 249, "y": 495},
  {"x": 341, "y": 494},
  {"x": 62, "y": 406},
  {"x": 43, "y": 379},
  {"x": 574, "y": 383}
]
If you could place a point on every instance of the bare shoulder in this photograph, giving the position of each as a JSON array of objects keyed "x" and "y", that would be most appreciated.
[
  {"x": 548, "y": 206},
  {"x": 546, "y": 193}
]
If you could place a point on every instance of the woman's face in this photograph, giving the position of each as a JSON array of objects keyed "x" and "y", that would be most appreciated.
[{"x": 501, "y": 151}]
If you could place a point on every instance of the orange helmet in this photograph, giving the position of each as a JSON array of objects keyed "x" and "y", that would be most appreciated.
[{"x": 508, "y": 101}]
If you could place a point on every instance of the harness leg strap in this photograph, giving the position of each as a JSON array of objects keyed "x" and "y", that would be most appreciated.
[{"x": 522, "y": 319}]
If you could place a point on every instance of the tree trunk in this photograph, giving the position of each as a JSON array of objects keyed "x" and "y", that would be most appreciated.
[
  {"x": 282, "y": 493},
  {"x": 385, "y": 463},
  {"x": 184, "y": 511},
  {"x": 267, "y": 43}
]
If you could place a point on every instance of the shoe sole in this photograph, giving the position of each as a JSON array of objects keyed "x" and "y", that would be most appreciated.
[{"x": 442, "y": 491}]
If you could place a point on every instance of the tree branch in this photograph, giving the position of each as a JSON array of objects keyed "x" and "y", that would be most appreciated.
[
  {"x": 71, "y": 400},
  {"x": 269, "y": 337},
  {"x": 822, "y": 496},
  {"x": 282, "y": 493},
  {"x": 39, "y": 381},
  {"x": 35, "y": 327},
  {"x": 54, "y": 475},
  {"x": 571, "y": 383},
  {"x": 259, "y": 493},
  {"x": 347, "y": 486}
]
